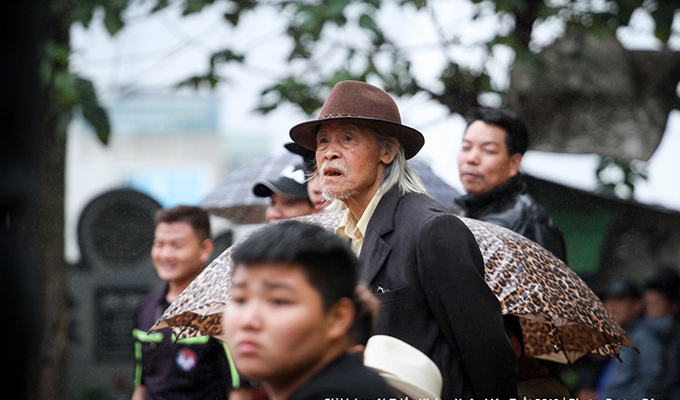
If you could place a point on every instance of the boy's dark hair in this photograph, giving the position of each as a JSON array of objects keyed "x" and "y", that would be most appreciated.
[
  {"x": 326, "y": 260},
  {"x": 516, "y": 136},
  {"x": 194, "y": 216}
]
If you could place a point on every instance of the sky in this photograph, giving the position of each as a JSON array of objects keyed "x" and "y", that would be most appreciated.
[{"x": 153, "y": 53}]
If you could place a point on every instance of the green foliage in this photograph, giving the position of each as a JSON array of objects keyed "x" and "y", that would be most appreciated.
[
  {"x": 238, "y": 7},
  {"x": 92, "y": 110},
  {"x": 212, "y": 78},
  {"x": 82, "y": 11},
  {"x": 70, "y": 92},
  {"x": 307, "y": 97},
  {"x": 461, "y": 85},
  {"x": 308, "y": 31},
  {"x": 309, "y": 21},
  {"x": 618, "y": 177},
  {"x": 364, "y": 51},
  {"x": 368, "y": 23},
  {"x": 195, "y": 6},
  {"x": 663, "y": 14},
  {"x": 67, "y": 92}
]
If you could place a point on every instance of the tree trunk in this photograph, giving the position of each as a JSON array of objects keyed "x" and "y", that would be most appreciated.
[
  {"x": 32, "y": 156},
  {"x": 44, "y": 223},
  {"x": 41, "y": 226},
  {"x": 47, "y": 226}
]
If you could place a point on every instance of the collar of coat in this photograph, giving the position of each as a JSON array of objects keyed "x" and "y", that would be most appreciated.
[{"x": 516, "y": 184}]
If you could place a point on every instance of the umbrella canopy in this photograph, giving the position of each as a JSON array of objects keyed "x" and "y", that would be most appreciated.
[
  {"x": 233, "y": 198},
  {"x": 562, "y": 319},
  {"x": 435, "y": 186}
]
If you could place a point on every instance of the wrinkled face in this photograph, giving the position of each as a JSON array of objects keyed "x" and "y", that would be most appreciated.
[
  {"x": 483, "y": 161},
  {"x": 350, "y": 161},
  {"x": 275, "y": 324},
  {"x": 284, "y": 207},
  {"x": 178, "y": 254}
]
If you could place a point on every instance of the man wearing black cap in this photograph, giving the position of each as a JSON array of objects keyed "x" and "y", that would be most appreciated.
[
  {"x": 421, "y": 261},
  {"x": 288, "y": 194}
]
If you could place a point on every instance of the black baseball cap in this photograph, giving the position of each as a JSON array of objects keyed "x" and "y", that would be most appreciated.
[
  {"x": 291, "y": 182},
  {"x": 308, "y": 156}
]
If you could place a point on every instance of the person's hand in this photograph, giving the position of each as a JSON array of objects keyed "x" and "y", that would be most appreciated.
[
  {"x": 241, "y": 394},
  {"x": 139, "y": 393}
]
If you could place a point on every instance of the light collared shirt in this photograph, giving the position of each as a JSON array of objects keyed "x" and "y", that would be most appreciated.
[{"x": 356, "y": 230}]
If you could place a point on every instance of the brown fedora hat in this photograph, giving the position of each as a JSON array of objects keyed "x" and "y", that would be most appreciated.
[{"x": 363, "y": 104}]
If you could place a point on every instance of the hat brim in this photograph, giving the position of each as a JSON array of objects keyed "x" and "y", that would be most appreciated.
[
  {"x": 284, "y": 187},
  {"x": 409, "y": 389},
  {"x": 412, "y": 140}
]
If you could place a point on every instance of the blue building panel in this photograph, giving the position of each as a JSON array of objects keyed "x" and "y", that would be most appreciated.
[{"x": 172, "y": 186}]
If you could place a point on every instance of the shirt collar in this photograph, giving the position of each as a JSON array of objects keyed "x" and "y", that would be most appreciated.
[{"x": 356, "y": 230}]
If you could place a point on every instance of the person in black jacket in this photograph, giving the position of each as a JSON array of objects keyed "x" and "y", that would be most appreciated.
[
  {"x": 488, "y": 165},
  {"x": 421, "y": 261},
  {"x": 290, "y": 319}
]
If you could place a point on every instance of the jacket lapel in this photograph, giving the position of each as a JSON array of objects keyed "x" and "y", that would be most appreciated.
[{"x": 375, "y": 250}]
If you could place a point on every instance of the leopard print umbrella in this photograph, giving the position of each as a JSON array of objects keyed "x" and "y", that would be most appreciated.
[{"x": 562, "y": 319}]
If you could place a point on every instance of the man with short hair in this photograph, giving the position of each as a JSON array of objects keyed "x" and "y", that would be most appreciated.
[
  {"x": 289, "y": 320},
  {"x": 194, "y": 368},
  {"x": 422, "y": 262},
  {"x": 287, "y": 193},
  {"x": 488, "y": 165}
]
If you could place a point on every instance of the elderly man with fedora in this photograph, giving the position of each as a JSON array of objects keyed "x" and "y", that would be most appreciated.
[{"x": 422, "y": 262}]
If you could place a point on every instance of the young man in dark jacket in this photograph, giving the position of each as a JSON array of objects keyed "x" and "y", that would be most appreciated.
[
  {"x": 488, "y": 165},
  {"x": 290, "y": 318}
]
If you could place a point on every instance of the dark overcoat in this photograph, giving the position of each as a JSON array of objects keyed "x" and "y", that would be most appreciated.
[
  {"x": 426, "y": 268},
  {"x": 345, "y": 378}
]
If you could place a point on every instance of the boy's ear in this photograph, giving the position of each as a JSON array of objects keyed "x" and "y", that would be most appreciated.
[
  {"x": 340, "y": 318},
  {"x": 516, "y": 345},
  {"x": 207, "y": 247}
]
